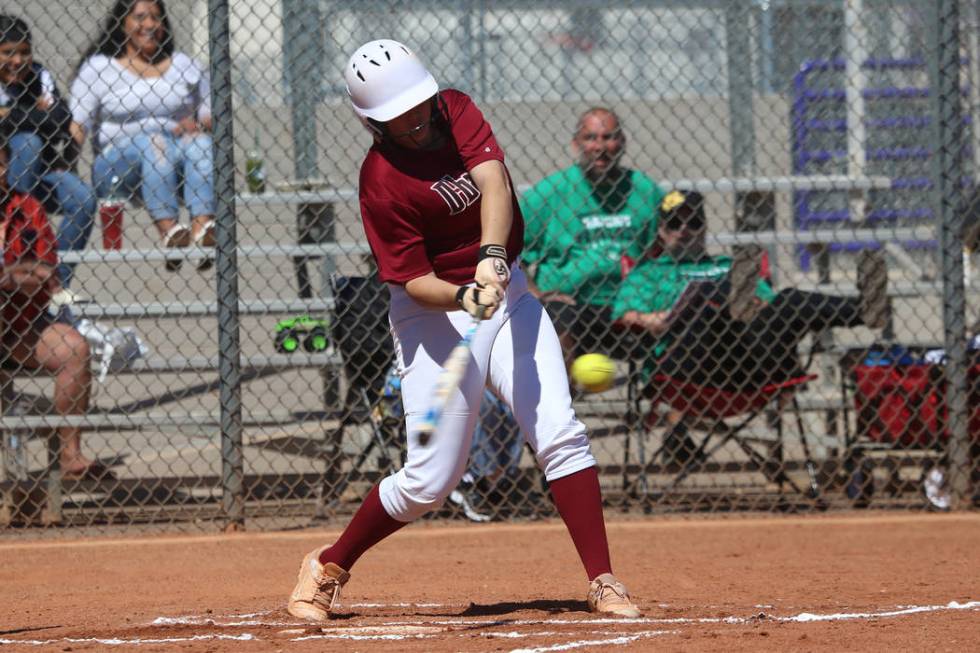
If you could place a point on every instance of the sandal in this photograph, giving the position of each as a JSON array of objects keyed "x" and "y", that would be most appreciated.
[
  {"x": 178, "y": 236},
  {"x": 205, "y": 238},
  {"x": 746, "y": 263},
  {"x": 93, "y": 472},
  {"x": 872, "y": 283}
]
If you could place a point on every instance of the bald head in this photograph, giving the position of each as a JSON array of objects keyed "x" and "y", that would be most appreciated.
[
  {"x": 599, "y": 143},
  {"x": 600, "y": 113}
]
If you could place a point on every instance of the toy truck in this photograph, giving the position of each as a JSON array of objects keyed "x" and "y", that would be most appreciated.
[{"x": 310, "y": 332}]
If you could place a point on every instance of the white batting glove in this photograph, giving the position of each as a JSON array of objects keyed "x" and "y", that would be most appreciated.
[
  {"x": 492, "y": 268},
  {"x": 479, "y": 302}
]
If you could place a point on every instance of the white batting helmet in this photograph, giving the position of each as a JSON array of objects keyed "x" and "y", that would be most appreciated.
[{"x": 385, "y": 79}]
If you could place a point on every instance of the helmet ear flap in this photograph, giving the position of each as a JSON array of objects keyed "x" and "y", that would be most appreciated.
[{"x": 374, "y": 126}]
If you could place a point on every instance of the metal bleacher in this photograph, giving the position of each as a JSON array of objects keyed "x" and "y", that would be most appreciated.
[
  {"x": 897, "y": 125},
  {"x": 23, "y": 418}
]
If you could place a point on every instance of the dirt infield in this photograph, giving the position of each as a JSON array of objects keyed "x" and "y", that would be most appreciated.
[{"x": 902, "y": 582}]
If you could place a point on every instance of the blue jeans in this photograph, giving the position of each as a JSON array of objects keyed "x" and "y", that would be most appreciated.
[
  {"x": 156, "y": 165},
  {"x": 497, "y": 441},
  {"x": 59, "y": 190}
]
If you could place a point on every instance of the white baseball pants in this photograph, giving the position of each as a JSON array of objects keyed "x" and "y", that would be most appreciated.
[{"x": 516, "y": 352}]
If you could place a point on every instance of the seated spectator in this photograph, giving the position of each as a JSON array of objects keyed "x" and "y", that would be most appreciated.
[
  {"x": 580, "y": 222},
  {"x": 491, "y": 485},
  {"x": 148, "y": 109},
  {"x": 32, "y": 339},
  {"x": 37, "y": 118},
  {"x": 685, "y": 298}
]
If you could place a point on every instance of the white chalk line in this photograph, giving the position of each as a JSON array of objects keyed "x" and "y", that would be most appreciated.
[
  {"x": 199, "y": 621},
  {"x": 416, "y": 631},
  {"x": 249, "y": 619},
  {"x": 915, "y": 609},
  {"x": 360, "y": 638},
  {"x": 803, "y": 617},
  {"x": 404, "y": 605},
  {"x": 585, "y": 643},
  {"x": 121, "y": 641}
]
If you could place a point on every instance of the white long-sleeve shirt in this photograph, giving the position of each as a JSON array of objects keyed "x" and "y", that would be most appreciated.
[{"x": 110, "y": 101}]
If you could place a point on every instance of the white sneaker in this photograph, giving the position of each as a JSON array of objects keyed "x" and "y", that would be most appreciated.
[
  {"x": 458, "y": 498},
  {"x": 65, "y": 297},
  {"x": 936, "y": 489}
]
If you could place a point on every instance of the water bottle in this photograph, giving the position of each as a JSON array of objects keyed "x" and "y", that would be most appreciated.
[
  {"x": 111, "y": 211},
  {"x": 15, "y": 462},
  {"x": 255, "y": 168}
]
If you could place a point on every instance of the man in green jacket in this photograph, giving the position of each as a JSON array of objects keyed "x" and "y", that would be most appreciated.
[{"x": 580, "y": 222}]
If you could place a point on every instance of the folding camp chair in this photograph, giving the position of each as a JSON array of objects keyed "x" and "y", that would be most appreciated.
[
  {"x": 683, "y": 382},
  {"x": 713, "y": 410},
  {"x": 360, "y": 334}
]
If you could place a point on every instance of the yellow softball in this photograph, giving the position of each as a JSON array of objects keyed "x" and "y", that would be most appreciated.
[{"x": 593, "y": 372}]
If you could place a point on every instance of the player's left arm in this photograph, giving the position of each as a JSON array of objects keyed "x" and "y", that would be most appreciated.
[
  {"x": 496, "y": 218},
  {"x": 429, "y": 290}
]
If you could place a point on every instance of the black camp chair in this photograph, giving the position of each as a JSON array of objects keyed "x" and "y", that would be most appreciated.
[{"x": 361, "y": 336}]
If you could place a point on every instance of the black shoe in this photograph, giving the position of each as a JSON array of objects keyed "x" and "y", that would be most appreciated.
[
  {"x": 746, "y": 264},
  {"x": 872, "y": 283},
  {"x": 679, "y": 448}
]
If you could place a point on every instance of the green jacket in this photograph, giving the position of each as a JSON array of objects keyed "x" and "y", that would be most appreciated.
[{"x": 576, "y": 236}]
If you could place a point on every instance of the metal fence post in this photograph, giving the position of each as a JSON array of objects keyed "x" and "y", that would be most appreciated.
[
  {"x": 304, "y": 55},
  {"x": 742, "y": 127},
  {"x": 303, "y": 49},
  {"x": 229, "y": 348},
  {"x": 754, "y": 210},
  {"x": 304, "y": 60},
  {"x": 947, "y": 170}
]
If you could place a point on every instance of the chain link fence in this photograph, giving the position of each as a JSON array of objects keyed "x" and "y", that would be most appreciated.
[{"x": 768, "y": 231}]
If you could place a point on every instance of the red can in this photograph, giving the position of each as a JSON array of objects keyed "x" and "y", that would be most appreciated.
[{"x": 111, "y": 215}]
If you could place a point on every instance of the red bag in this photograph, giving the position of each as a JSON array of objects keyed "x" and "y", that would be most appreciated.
[
  {"x": 905, "y": 404},
  {"x": 25, "y": 234}
]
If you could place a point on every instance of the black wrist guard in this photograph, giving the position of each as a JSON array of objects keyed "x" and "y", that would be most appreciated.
[
  {"x": 492, "y": 251},
  {"x": 460, "y": 293}
]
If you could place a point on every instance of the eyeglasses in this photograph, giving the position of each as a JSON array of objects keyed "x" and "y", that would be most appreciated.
[
  {"x": 692, "y": 223},
  {"x": 414, "y": 130}
]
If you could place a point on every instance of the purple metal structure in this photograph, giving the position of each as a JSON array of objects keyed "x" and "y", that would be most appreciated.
[{"x": 898, "y": 134}]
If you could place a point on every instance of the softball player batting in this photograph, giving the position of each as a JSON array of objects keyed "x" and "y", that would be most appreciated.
[{"x": 445, "y": 228}]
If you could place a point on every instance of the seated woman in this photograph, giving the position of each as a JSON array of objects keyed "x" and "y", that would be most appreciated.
[
  {"x": 148, "y": 109},
  {"x": 32, "y": 110},
  {"x": 718, "y": 323},
  {"x": 31, "y": 338}
]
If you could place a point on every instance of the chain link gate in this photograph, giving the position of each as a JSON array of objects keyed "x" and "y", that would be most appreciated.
[{"x": 205, "y": 342}]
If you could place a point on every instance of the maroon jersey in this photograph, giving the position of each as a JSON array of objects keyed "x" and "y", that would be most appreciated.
[{"x": 421, "y": 209}]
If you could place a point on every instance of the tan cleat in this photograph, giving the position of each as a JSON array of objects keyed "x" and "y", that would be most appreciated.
[
  {"x": 317, "y": 588},
  {"x": 608, "y": 596}
]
